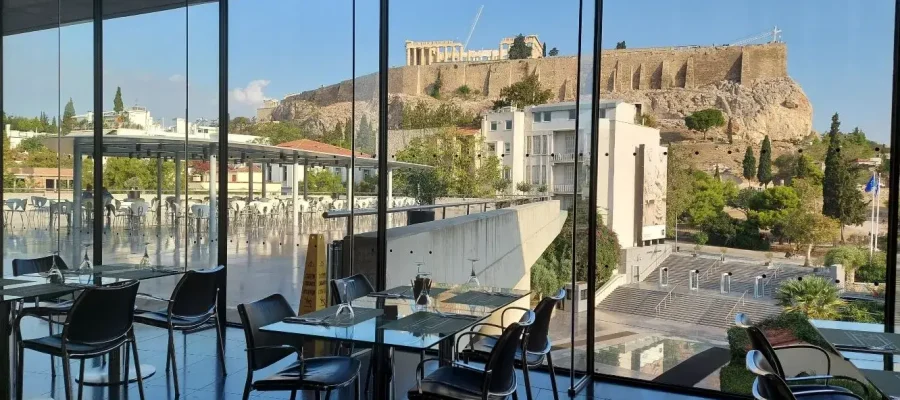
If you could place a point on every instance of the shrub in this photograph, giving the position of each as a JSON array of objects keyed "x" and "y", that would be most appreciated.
[
  {"x": 701, "y": 238},
  {"x": 815, "y": 296},
  {"x": 464, "y": 91}
]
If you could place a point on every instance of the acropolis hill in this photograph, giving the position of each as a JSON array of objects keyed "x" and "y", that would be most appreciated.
[{"x": 749, "y": 84}]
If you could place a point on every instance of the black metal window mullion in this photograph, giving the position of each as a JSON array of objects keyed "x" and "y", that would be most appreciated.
[
  {"x": 97, "y": 231},
  {"x": 890, "y": 290},
  {"x": 592, "y": 191},
  {"x": 381, "y": 246},
  {"x": 222, "y": 217}
]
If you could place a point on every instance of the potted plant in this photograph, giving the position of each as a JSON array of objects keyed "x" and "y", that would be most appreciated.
[
  {"x": 724, "y": 251},
  {"x": 133, "y": 184},
  {"x": 769, "y": 257},
  {"x": 700, "y": 238}
]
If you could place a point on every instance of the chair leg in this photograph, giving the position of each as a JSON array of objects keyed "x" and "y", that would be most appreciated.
[
  {"x": 127, "y": 364},
  {"x": 137, "y": 365},
  {"x": 318, "y": 395},
  {"x": 293, "y": 395},
  {"x": 247, "y": 385},
  {"x": 67, "y": 377},
  {"x": 52, "y": 359},
  {"x": 328, "y": 394},
  {"x": 172, "y": 356},
  {"x": 220, "y": 326},
  {"x": 20, "y": 370},
  {"x": 552, "y": 376},
  {"x": 80, "y": 379},
  {"x": 527, "y": 379}
]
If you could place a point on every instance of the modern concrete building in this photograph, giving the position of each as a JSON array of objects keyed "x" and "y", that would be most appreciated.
[{"x": 537, "y": 145}]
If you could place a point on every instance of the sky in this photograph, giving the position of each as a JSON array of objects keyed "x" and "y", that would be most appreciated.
[{"x": 839, "y": 51}]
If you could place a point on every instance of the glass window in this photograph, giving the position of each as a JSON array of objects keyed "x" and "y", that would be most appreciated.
[
  {"x": 543, "y": 174},
  {"x": 507, "y": 148},
  {"x": 528, "y": 144},
  {"x": 508, "y": 124},
  {"x": 573, "y": 113},
  {"x": 493, "y": 125},
  {"x": 547, "y": 116},
  {"x": 537, "y": 116}
]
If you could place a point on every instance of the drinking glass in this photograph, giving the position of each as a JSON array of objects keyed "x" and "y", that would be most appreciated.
[
  {"x": 145, "y": 260},
  {"x": 345, "y": 309},
  {"x": 86, "y": 267},
  {"x": 473, "y": 278},
  {"x": 54, "y": 275}
]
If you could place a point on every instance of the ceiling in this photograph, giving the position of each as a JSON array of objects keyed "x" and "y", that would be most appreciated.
[{"x": 20, "y": 16}]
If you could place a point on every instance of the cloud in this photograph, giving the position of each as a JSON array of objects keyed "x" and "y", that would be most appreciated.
[
  {"x": 252, "y": 94},
  {"x": 176, "y": 78}
]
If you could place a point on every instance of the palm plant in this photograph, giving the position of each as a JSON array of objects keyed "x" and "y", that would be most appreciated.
[{"x": 814, "y": 296}]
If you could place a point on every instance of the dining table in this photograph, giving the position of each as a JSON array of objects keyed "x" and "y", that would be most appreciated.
[
  {"x": 17, "y": 289},
  {"x": 396, "y": 319},
  {"x": 868, "y": 348}
]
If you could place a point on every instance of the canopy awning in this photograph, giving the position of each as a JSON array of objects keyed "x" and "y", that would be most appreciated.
[{"x": 149, "y": 146}]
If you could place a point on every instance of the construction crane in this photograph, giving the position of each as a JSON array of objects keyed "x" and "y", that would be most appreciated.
[
  {"x": 773, "y": 36},
  {"x": 472, "y": 28}
]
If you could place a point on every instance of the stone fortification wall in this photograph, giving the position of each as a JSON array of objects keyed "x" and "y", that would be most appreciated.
[{"x": 622, "y": 70}]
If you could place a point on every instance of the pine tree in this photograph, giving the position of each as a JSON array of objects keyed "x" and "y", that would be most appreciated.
[
  {"x": 841, "y": 199},
  {"x": 764, "y": 171},
  {"x": 717, "y": 176},
  {"x": 118, "y": 105},
  {"x": 68, "y": 118},
  {"x": 749, "y": 164},
  {"x": 519, "y": 50}
]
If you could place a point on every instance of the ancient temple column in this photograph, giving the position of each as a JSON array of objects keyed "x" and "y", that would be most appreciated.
[{"x": 407, "y": 56}]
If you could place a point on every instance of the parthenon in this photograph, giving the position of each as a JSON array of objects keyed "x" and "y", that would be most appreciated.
[{"x": 427, "y": 53}]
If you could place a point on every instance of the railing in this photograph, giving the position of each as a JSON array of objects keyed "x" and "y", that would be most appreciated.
[
  {"x": 564, "y": 157},
  {"x": 567, "y": 188},
  {"x": 468, "y": 204},
  {"x": 733, "y": 308},
  {"x": 769, "y": 279},
  {"x": 666, "y": 299},
  {"x": 712, "y": 268}
]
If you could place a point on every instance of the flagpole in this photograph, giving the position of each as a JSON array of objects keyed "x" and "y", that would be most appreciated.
[
  {"x": 872, "y": 228},
  {"x": 877, "y": 207}
]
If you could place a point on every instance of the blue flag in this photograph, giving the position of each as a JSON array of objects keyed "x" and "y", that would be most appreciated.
[{"x": 871, "y": 185}]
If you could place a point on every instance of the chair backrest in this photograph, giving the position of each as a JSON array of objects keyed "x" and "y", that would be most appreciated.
[
  {"x": 102, "y": 314},
  {"x": 254, "y": 316},
  {"x": 36, "y": 265},
  {"x": 360, "y": 287},
  {"x": 759, "y": 342},
  {"x": 742, "y": 320},
  {"x": 501, "y": 362},
  {"x": 195, "y": 294},
  {"x": 772, "y": 387},
  {"x": 538, "y": 333}
]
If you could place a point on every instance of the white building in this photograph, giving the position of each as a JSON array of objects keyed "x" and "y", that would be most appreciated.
[{"x": 537, "y": 145}]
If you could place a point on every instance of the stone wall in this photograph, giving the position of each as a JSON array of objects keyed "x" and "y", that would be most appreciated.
[{"x": 622, "y": 70}]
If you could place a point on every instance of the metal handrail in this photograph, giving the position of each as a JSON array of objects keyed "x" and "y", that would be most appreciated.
[
  {"x": 733, "y": 308},
  {"x": 711, "y": 268},
  {"x": 669, "y": 296},
  {"x": 372, "y": 211},
  {"x": 769, "y": 279}
]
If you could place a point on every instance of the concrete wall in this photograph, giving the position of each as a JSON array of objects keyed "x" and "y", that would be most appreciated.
[
  {"x": 646, "y": 258},
  {"x": 623, "y": 70}
]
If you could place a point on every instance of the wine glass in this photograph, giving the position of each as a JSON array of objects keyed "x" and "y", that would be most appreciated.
[
  {"x": 54, "y": 275},
  {"x": 473, "y": 278},
  {"x": 86, "y": 267},
  {"x": 345, "y": 309},
  {"x": 145, "y": 260}
]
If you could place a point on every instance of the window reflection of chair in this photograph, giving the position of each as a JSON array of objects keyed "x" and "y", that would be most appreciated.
[
  {"x": 39, "y": 206},
  {"x": 138, "y": 214},
  {"x": 199, "y": 217},
  {"x": 59, "y": 209},
  {"x": 770, "y": 386}
]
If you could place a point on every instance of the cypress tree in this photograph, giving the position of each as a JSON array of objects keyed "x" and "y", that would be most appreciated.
[
  {"x": 833, "y": 170},
  {"x": 764, "y": 172},
  {"x": 749, "y": 164}
]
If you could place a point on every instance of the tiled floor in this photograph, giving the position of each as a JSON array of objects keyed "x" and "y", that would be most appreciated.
[{"x": 200, "y": 375}]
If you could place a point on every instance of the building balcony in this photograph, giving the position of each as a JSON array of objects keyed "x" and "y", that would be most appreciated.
[
  {"x": 564, "y": 189},
  {"x": 563, "y": 157}
]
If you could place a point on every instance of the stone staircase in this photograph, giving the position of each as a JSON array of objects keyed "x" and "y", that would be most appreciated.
[
  {"x": 692, "y": 308},
  {"x": 742, "y": 279}
]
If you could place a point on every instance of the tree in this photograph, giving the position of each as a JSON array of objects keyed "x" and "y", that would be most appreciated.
[
  {"x": 523, "y": 187},
  {"x": 716, "y": 174},
  {"x": 239, "y": 125},
  {"x": 544, "y": 47},
  {"x": 275, "y": 133},
  {"x": 118, "y": 105},
  {"x": 519, "y": 50},
  {"x": 807, "y": 229},
  {"x": 324, "y": 181},
  {"x": 435, "y": 90},
  {"x": 550, "y": 273},
  {"x": 749, "y": 164},
  {"x": 620, "y": 45},
  {"x": 554, "y": 52},
  {"x": 709, "y": 197},
  {"x": 807, "y": 169},
  {"x": 365, "y": 136},
  {"x": 841, "y": 198},
  {"x": 679, "y": 191},
  {"x": 764, "y": 171},
  {"x": 850, "y": 257},
  {"x": 68, "y": 118},
  {"x": 815, "y": 296},
  {"x": 704, "y": 120},
  {"x": 526, "y": 92}
]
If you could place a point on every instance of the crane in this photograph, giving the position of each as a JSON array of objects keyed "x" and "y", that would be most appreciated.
[
  {"x": 472, "y": 29},
  {"x": 774, "y": 34}
]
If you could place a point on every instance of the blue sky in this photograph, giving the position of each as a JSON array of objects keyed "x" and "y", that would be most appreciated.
[{"x": 838, "y": 50}]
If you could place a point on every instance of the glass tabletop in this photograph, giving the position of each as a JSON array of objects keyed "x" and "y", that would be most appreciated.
[
  {"x": 37, "y": 285},
  {"x": 395, "y": 319}
]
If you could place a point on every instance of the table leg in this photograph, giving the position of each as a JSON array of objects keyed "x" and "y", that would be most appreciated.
[
  {"x": 7, "y": 347},
  {"x": 111, "y": 374},
  {"x": 445, "y": 351},
  {"x": 381, "y": 371}
]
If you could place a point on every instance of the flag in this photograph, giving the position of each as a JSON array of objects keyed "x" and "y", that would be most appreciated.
[{"x": 871, "y": 185}]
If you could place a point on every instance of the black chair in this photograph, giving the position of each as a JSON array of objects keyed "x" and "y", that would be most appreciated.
[
  {"x": 769, "y": 386},
  {"x": 463, "y": 382},
  {"x": 46, "y": 308},
  {"x": 536, "y": 349},
  {"x": 192, "y": 305},
  {"x": 760, "y": 344},
  {"x": 101, "y": 320},
  {"x": 358, "y": 286},
  {"x": 264, "y": 349}
]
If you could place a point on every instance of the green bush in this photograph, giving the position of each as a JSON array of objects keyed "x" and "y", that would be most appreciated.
[{"x": 701, "y": 238}]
